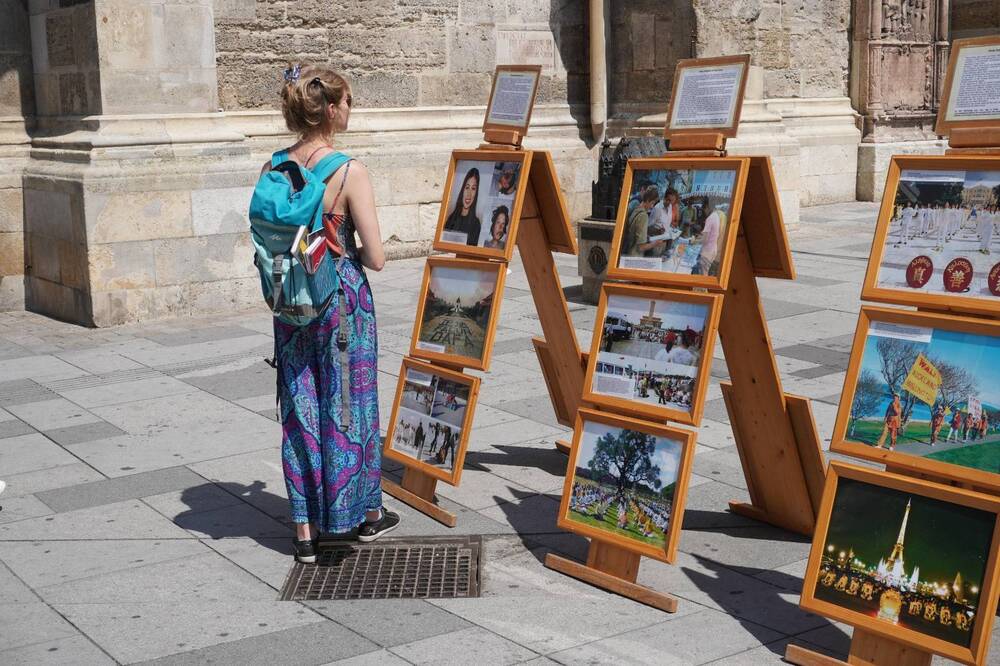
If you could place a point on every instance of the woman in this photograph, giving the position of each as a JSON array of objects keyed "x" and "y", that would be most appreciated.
[
  {"x": 463, "y": 215},
  {"x": 498, "y": 228},
  {"x": 332, "y": 472}
]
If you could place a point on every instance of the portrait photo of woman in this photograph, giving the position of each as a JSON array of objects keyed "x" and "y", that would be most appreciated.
[
  {"x": 499, "y": 223},
  {"x": 463, "y": 219}
]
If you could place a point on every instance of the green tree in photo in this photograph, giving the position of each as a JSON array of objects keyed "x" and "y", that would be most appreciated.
[
  {"x": 867, "y": 396},
  {"x": 627, "y": 457}
]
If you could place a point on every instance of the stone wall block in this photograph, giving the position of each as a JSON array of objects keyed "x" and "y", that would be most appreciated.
[
  {"x": 396, "y": 49},
  {"x": 401, "y": 222},
  {"x": 130, "y": 216},
  {"x": 129, "y": 265},
  {"x": 56, "y": 300},
  {"x": 224, "y": 296},
  {"x": 11, "y": 211},
  {"x": 85, "y": 36},
  {"x": 189, "y": 37},
  {"x": 73, "y": 95},
  {"x": 125, "y": 33},
  {"x": 11, "y": 253},
  {"x": 455, "y": 89},
  {"x": 59, "y": 40},
  {"x": 482, "y": 11},
  {"x": 235, "y": 9},
  {"x": 642, "y": 34},
  {"x": 471, "y": 49},
  {"x": 530, "y": 11},
  {"x": 406, "y": 179},
  {"x": 203, "y": 258},
  {"x": 385, "y": 89},
  {"x": 782, "y": 83},
  {"x": 42, "y": 254},
  {"x": 16, "y": 91},
  {"x": 15, "y": 36},
  {"x": 51, "y": 214},
  {"x": 220, "y": 210},
  {"x": 673, "y": 40},
  {"x": 427, "y": 216}
]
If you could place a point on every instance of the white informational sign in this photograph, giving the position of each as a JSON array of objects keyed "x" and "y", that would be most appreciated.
[
  {"x": 975, "y": 87},
  {"x": 706, "y": 97},
  {"x": 975, "y": 407},
  {"x": 526, "y": 47},
  {"x": 882, "y": 329},
  {"x": 512, "y": 98}
]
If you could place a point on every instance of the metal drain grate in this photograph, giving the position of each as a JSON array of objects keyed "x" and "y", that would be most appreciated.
[{"x": 443, "y": 568}]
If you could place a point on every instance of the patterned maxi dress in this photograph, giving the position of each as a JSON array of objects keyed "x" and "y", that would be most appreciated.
[{"x": 332, "y": 477}]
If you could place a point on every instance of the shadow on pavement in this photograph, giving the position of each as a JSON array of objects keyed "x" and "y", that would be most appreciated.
[
  {"x": 263, "y": 516},
  {"x": 732, "y": 602}
]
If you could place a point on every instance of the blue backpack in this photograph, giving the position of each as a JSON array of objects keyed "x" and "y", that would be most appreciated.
[{"x": 287, "y": 197}]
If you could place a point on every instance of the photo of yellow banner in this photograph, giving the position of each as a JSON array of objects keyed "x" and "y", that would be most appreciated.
[{"x": 923, "y": 380}]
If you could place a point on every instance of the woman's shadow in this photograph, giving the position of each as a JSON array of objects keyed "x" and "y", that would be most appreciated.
[{"x": 234, "y": 510}]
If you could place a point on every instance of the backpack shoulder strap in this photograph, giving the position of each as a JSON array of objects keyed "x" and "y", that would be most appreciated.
[
  {"x": 329, "y": 164},
  {"x": 279, "y": 157}
]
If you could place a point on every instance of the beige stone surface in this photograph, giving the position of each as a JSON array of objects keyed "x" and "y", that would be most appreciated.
[
  {"x": 126, "y": 265},
  {"x": 129, "y": 216},
  {"x": 203, "y": 258},
  {"x": 220, "y": 210},
  {"x": 11, "y": 253}
]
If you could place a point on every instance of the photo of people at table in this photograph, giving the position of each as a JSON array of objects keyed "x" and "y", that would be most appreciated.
[
  {"x": 676, "y": 220},
  {"x": 481, "y": 202}
]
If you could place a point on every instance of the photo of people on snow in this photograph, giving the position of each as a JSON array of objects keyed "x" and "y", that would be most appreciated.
[{"x": 429, "y": 419}]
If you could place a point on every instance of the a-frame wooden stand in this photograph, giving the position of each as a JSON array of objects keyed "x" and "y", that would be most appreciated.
[
  {"x": 870, "y": 649},
  {"x": 544, "y": 227}
]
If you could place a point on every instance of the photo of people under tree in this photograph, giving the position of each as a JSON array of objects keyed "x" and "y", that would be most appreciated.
[
  {"x": 676, "y": 220},
  {"x": 929, "y": 392},
  {"x": 457, "y": 311},
  {"x": 650, "y": 351},
  {"x": 905, "y": 559},
  {"x": 480, "y": 203},
  {"x": 430, "y": 417},
  {"x": 937, "y": 217},
  {"x": 624, "y": 482}
]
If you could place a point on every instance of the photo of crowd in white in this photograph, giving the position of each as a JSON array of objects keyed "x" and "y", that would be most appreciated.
[
  {"x": 942, "y": 235},
  {"x": 650, "y": 351},
  {"x": 676, "y": 220},
  {"x": 429, "y": 420},
  {"x": 480, "y": 203}
]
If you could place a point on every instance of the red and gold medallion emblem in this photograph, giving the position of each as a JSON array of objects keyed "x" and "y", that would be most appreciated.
[
  {"x": 958, "y": 275},
  {"x": 919, "y": 272}
]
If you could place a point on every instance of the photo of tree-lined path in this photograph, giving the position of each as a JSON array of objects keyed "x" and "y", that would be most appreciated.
[{"x": 956, "y": 420}]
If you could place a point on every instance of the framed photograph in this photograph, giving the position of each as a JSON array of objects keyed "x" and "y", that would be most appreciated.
[
  {"x": 482, "y": 203},
  {"x": 708, "y": 95},
  {"x": 653, "y": 351},
  {"x": 678, "y": 220},
  {"x": 626, "y": 483},
  {"x": 919, "y": 393},
  {"x": 936, "y": 242},
  {"x": 431, "y": 419},
  {"x": 457, "y": 311},
  {"x": 512, "y": 97},
  {"x": 906, "y": 559},
  {"x": 971, "y": 97}
]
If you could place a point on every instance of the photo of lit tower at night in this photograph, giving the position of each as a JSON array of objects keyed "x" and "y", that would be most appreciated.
[{"x": 906, "y": 559}]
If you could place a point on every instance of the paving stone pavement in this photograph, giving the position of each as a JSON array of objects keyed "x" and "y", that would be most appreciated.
[{"x": 145, "y": 518}]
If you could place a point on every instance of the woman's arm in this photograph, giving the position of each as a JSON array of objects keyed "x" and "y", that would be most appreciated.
[{"x": 360, "y": 201}]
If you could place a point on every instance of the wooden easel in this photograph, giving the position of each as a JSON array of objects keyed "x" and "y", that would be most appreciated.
[
  {"x": 867, "y": 648},
  {"x": 544, "y": 227},
  {"x": 775, "y": 432}
]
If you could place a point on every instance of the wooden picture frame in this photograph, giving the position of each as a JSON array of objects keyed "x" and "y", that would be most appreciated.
[
  {"x": 725, "y": 241},
  {"x": 686, "y": 441},
  {"x": 421, "y": 349},
  {"x": 727, "y": 129},
  {"x": 390, "y": 449},
  {"x": 650, "y": 408},
  {"x": 842, "y": 442},
  {"x": 486, "y": 201},
  {"x": 987, "y": 593},
  {"x": 970, "y": 300},
  {"x": 961, "y": 48},
  {"x": 520, "y": 128}
]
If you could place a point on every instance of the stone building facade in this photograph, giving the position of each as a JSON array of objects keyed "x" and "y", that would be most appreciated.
[{"x": 131, "y": 131}]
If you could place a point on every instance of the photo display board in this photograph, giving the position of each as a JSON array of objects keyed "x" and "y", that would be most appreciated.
[
  {"x": 936, "y": 241},
  {"x": 484, "y": 193},
  {"x": 652, "y": 351},
  {"x": 707, "y": 95},
  {"x": 512, "y": 97},
  {"x": 626, "y": 483},
  {"x": 457, "y": 311},
  {"x": 431, "y": 419},
  {"x": 677, "y": 221},
  {"x": 919, "y": 393},
  {"x": 972, "y": 86},
  {"x": 909, "y": 560}
]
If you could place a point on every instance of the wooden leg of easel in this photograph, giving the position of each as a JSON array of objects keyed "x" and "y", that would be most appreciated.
[
  {"x": 767, "y": 442},
  {"x": 867, "y": 649},
  {"x": 417, "y": 490},
  {"x": 613, "y": 569}
]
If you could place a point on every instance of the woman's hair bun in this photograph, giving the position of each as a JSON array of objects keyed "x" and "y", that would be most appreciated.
[{"x": 306, "y": 91}]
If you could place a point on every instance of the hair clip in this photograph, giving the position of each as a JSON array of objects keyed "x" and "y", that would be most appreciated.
[{"x": 292, "y": 74}]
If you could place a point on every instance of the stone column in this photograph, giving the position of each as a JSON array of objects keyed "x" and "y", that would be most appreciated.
[
  {"x": 900, "y": 52},
  {"x": 16, "y": 110},
  {"x": 134, "y": 201}
]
